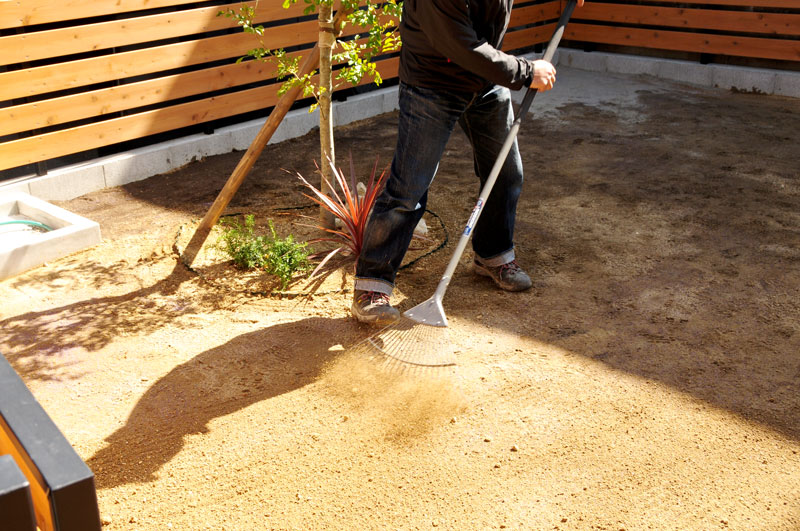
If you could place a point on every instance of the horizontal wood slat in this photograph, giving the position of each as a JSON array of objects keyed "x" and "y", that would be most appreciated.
[
  {"x": 51, "y": 78},
  {"x": 784, "y": 50},
  {"x": 18, "y": 13},
  {"x": 772, "y": 4},
  {"x": 103, "y": 102},
  {"x": 106, "y": 101},
  {"x": 42, "y": 147},
  {"x": 528, "y": 37},
  {"x": 106, "y": 35},
  {"x": 687, "y": 18},
  {"x": 43, "y": 79},
  {"x": 521, "y": 16}
]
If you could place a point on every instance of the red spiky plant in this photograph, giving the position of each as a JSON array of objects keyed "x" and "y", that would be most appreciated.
[{"x": 352, "y": 210}]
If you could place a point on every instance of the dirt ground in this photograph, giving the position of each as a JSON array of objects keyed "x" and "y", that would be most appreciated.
[{"x": 649, "y": 380}]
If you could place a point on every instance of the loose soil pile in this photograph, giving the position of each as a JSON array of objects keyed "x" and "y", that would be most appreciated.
[{"x": 649, "y": 380}]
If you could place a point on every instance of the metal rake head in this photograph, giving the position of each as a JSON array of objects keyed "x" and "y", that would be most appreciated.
[
  {"x": 429, "y": 313},
  {"x": 408, "y": 347}
]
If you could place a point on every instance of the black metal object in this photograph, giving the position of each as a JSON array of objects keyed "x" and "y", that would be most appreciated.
[
  {"x": 16, "y": 505},
  {"x": 54, "y": 464}
]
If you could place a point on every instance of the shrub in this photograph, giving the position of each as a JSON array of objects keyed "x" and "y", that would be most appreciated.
[{"x": 280, "y": 257}]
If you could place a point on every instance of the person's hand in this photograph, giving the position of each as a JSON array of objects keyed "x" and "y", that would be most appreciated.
[{"x": 544, "y": 75}]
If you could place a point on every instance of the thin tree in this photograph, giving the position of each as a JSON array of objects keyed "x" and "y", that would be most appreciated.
[{"x": 379, "y": 20}]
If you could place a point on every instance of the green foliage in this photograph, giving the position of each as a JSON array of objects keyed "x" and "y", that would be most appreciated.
[
  {"x": 280, "y": 257},
  {"x": 241, "y": 243},
  {"x": 380, "y": 21},
  {"x": 285, "y": 257}
]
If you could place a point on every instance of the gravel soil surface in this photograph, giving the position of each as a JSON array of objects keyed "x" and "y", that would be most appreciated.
[{"x": 650, "y": 379}]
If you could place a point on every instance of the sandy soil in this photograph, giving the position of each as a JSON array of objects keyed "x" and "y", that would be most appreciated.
[{"x": 649, "y": 380}]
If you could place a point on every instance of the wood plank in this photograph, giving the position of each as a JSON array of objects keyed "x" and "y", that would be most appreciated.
[
  {"x": 43, "y": 79},
  {"x": 683, "y": 18},
  {"x": 778, "y": 4},
  {"x": 59, "y": 143},
  {"x": 18, "y": 13},
  {"x": 780, "y": 49},
  {"x": 106, "y": 101},
  {"x": 41, "y": 504},
  {"x": 16, "y": 502},
  {"x": 107, "y": 35},
  {"x": 62, "y": 486},
  {"x": 40, "y": 80},
  {"x": 528, "y": 37},
  {"x": 534, "y": 13}
]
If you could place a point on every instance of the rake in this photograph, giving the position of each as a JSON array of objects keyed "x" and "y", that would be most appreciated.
[
  {"x": 431, "y": 311},
  {"x": 404, "y": 345}
]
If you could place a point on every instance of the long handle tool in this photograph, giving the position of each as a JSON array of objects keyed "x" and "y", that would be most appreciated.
[{"x": 431, "y": 312}]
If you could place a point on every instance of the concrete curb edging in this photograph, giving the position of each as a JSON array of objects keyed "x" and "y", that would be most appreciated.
[
  {"x": 73, "y": 181},
  {"x": 756, "y": 80}
]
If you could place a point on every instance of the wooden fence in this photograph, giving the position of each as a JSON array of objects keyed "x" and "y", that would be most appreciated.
[
  {"x": 758, "y": 29},
  {"x": 78, "y": 75}
]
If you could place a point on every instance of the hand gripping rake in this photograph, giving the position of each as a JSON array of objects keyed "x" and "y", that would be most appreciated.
[{"x": 431, "y": 312}]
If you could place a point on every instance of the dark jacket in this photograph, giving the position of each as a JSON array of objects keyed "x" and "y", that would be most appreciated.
[{"x": 454, "y": 44}]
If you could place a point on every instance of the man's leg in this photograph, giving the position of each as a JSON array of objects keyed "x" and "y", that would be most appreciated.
[
  {"x": 427, "y": 118},
  {"x": 487, "y": 123}
]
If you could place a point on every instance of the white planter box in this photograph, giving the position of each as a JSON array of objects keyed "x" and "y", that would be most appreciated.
[{"x": 22, "y": 248}]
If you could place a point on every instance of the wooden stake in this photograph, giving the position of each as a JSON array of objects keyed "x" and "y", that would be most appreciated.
[{"x": 251, "y": 155}]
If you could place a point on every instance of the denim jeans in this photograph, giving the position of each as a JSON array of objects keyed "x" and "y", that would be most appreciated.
[{"x": 427, "y": 119}]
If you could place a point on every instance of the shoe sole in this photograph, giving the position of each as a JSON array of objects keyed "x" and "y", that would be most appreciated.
[{"x": 481, "y": 271}]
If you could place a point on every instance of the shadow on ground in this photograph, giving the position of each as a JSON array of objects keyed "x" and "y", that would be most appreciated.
[
  {"x": 667, "y": 247},
  {"x": 250, "y": 368}
]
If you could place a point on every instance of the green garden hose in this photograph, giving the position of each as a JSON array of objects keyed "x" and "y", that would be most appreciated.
[{"x": 27, "y": 222}]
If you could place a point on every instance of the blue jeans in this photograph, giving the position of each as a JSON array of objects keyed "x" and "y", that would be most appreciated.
[{"x": 427, "y": 119}]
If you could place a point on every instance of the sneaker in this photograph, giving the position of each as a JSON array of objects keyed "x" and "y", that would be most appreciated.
[
  {"x": 508, "y": 276},
  {"x": 373, "y": 307}
]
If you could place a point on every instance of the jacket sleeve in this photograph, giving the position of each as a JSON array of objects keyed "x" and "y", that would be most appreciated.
[{"x": 449, "y": 29}]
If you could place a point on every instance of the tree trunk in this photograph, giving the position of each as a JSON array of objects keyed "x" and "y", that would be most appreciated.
[{"x": 327, "y": 155}]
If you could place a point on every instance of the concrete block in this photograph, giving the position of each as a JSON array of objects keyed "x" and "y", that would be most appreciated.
[
  {"x": 15, "y": 186},
  {"x": 196, "y": 147},
  {"x": 787, "y": 84},
  {"x": 744, "y": 79},
  {"x": 686, "y": 72},
  {"x": 152, "y": 160},
  {"x": 68, "y": 182},
  {"x": 242, "y": 135},
  {"x": 23, "y": 248},
  {"x": 389, "y": 99},
  {"x": 631, "y": 64},
  {"x": 591, "y": 61},
  {"x": 296, "y": 124},
  {"x": 216, "y": 143},
  {"x": 357, "y": 108},
  {"x": 135, "y": 165}
]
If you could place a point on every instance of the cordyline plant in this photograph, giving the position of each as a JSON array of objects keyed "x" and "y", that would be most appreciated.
[{"x": 353, "y": 211}]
